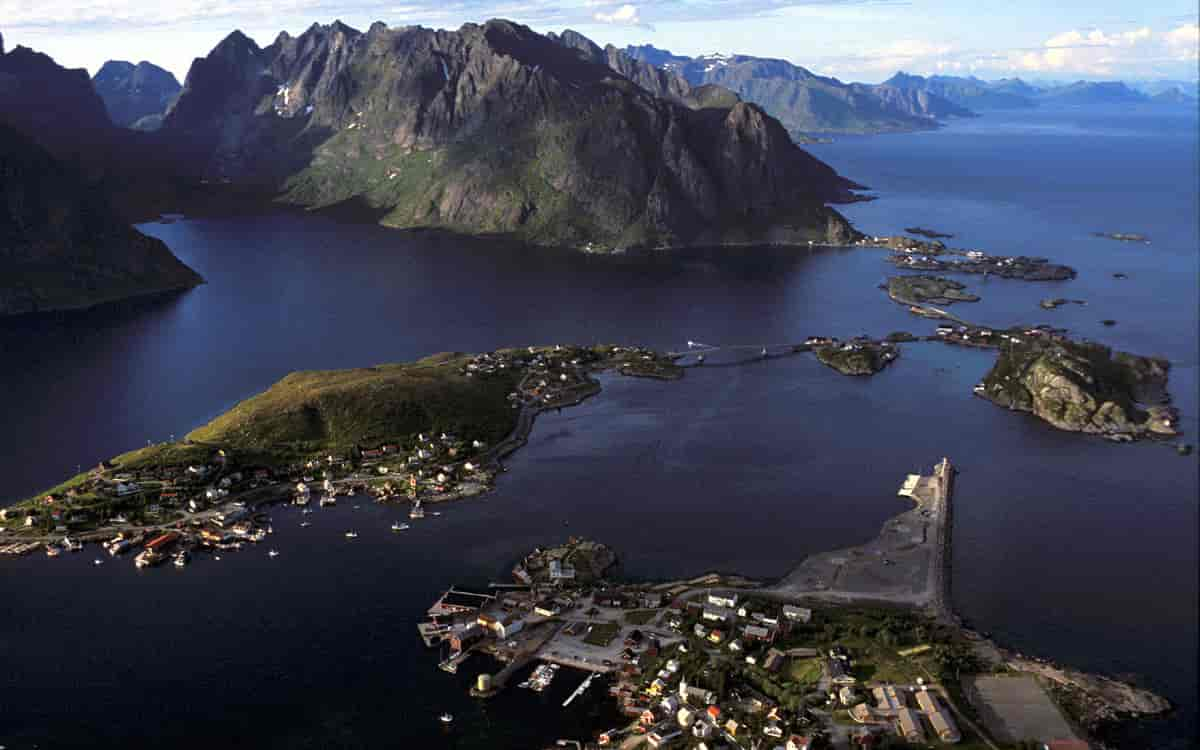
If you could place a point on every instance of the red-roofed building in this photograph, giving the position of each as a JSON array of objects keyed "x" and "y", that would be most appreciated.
[{"x": 1071, "y": 744}]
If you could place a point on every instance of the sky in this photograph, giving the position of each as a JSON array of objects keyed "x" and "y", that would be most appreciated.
[{"x": 860, "y": 40}]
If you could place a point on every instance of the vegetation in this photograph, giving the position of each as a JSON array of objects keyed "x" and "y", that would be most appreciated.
[
  {"x": 602, "y": 633},
  {"x": 337, "y": 411}
]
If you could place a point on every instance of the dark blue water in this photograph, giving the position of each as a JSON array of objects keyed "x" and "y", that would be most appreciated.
[{"x": 1066, "y": 547}]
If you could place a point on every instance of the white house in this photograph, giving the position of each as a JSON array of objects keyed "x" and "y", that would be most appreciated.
[
  {"x": 797, "y": 614},
  {"x": 729, "y": 601}
]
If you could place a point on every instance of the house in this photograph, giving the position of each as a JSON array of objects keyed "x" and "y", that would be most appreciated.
[
  {"x": 847, "y": 695},
  {"x": 716, "y": 636},
  {"x": 508, "y": 626},
  {"x": 545, "y": 609},
  {"x": 560, "y": 571},
  {"x": 670, "y": 704},
  {"x": 758, "y": 633},
  {"x": 463, "y": 639},
  {"x": 798, "y": 742},
  {"x": 657, "y": 739},
  {"x": 797, "y": 614},
  {"x": 647, "y": 717},
  {"x": 773, "y": 730},
  {"x": 716, "y": 613},
  {"x": 702, "y": 730},
  {"x": 888, "y": 698},
  {"x": 700, "y": 631},
  {"x": 685, "y": 716},
  {"x": 714, "y": 713},
  {"x": 731, "y": 727},
  {"x": 941, "y": 720},
  {"x": 1067, "y": 745},
  {"x": 728, "y": 601},
  {"x": 651, "y": 600},
  {"x": 910, "y": 725}
]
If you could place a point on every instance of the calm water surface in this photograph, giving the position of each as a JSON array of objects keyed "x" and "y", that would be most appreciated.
[{"x": 1064, "y": 546}]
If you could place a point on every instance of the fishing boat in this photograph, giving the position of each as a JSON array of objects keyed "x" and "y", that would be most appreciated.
[
  {"x": 97, "y": 561},
  {"x": 446, "y": 718},
  {"x": 182, "y": 558},
  {"x": 400, "y": 527},
  {"x": 417, "y": 511},
  {"x": 273, "y": 553},
  {"x": 352, "y": 535},
  {"x": 327, "y": 500},
  {"x": 305, "y": 524}
]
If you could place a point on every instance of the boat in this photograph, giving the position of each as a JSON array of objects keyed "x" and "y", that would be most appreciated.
[
  {"x": 71, "y": 545},
  {"x": 182, "y": 558},
  {"x": 446, "y": 718},
  {"x": 417, "y": 511},
  {"x": 97, "y": 561},
  {"x": 351, "y": 534},
  {"x": 53, "y": 550},
  {"x": 306, "y": 511},
  {"x": 147, "y": 558},
  {"x": 400, "y": 526},
  {"x": 273, "y": 553},
  {"x": 305, "y": 524},
  {"x": 327, "y": 500}
]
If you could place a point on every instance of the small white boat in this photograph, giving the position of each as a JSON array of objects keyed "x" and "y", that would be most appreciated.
[
  {"x": 97, "y": 561},
  {"x": 400, "y": 527},
  {"x": 326, "y": 500},
  {"x": 446, "y": 718},
  {"x": 273, "y": 553},
  {"x": 182, "y": 559},
  {"x": 305, "y": 524},
  {"x": 352, "y": 535}
]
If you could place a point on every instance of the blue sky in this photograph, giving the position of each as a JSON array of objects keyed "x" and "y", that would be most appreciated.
[{"x": 865, "y": 40}]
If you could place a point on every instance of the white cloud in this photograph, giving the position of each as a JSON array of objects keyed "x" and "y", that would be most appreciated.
[
  {"x": 625, "y": 15},
  {"x": 1099, "y": 53}
]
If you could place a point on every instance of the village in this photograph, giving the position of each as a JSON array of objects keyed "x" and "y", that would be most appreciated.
[
  {"x": 713, "y": 662},
  {"x": 174, "y": 499}
]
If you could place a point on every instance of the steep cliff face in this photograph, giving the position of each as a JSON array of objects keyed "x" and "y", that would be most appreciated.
[
  {"x": 132, "y": 93},
  {"x": 55, "y": 106},
  {"x": 62, "y": 246},
  {"x": 1083, "y": 387},
  {"x": 496, "y": 129}
]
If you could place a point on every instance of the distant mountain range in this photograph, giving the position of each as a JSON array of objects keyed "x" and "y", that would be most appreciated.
[
  {"x": 808, "y": 104},
  {"x": 135, "y": 96},
  {"x": 812, "y": 105}
]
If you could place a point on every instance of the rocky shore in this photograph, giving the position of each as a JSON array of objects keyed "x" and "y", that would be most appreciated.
[
  {"x": 1083, "y": 387},
  {"x": 858, "y": 356},
  {"x": 938, "y": 290}
]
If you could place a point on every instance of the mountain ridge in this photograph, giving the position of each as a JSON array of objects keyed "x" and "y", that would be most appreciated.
[{"x": 495, "y": 129}]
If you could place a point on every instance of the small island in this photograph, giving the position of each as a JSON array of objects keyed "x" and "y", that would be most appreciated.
[
  {"x": 1050, "y": 303},
  {"x": 858, "y": 356},
  {"x": 932, "y": 234},
  {"x": 938, "y": 290},
  {"x": 1082, "y": 387},
  {"x": 1123, "y": 236}
]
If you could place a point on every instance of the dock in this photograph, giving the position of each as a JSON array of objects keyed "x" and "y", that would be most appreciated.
[{"x": 583, "y": 686}]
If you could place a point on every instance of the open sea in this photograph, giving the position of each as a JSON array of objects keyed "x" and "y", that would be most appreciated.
[{"x": 1065, "y": 546}]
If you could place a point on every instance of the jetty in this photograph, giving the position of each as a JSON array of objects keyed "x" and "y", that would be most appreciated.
[{"x": 583, "y": 686}]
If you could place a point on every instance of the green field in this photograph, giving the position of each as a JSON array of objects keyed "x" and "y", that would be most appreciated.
[{"x": 602, "y": 633}]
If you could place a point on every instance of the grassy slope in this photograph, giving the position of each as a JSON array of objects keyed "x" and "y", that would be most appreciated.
[{"x": 309, "y": 412}]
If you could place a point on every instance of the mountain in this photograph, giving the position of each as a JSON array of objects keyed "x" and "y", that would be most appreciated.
[
  {"x": 495, "y": 129},
  {"x": 970, "y": 92},
  {"x": 1092, "y": 92},
  {"x": 56, "y": 107},
  {"x": 135, "y": 93},
  {"x": 804, "y": 102},
  {"x": 1174, "y": 95},
  {"x": 61, "y": 244}
]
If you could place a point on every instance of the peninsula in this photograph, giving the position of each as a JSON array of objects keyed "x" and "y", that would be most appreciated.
[{"x": 855, "y": 647}]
